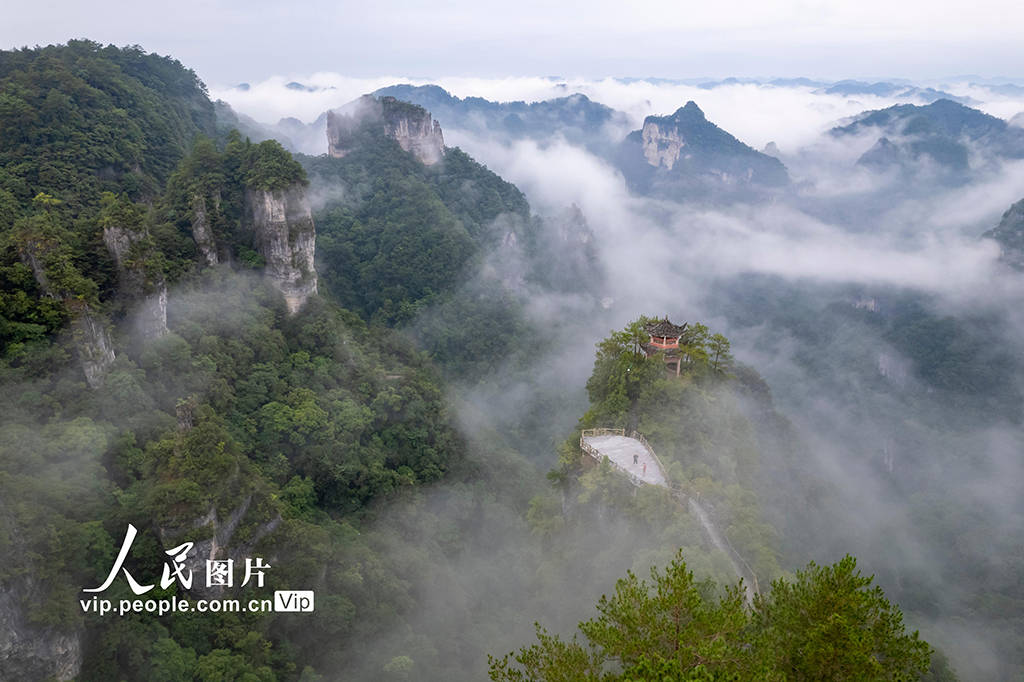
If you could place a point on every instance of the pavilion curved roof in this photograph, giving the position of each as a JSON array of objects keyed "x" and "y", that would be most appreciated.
[{"x": 664, "y": 328}]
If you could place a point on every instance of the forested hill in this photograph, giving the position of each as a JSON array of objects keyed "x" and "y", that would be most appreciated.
[
  {"x": 450, "y": 246},
  {"x": 243, "y": 409},
  {"x": 406, "y": 233},
  {"x": 82, "y": 119},
  {"x": 219, "y": 344},
  {"x": 719, "y": 439},
  {"x": 171, "y": 359}
]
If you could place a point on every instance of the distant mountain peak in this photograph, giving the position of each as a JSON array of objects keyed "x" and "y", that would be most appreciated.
[
  {"x": 944, "y": 133},
  {"x": 686, "y": 155},
  {"x": 691, "y": 108},
  {"x": 688, "y": 113},
  {"x": 906, "y": 91},
  {"x": 666, "y": 137},
  {"x": 573, "y": 116},
  {"x": 410, "y": 125},
  {"x": 941, "y": 116}
]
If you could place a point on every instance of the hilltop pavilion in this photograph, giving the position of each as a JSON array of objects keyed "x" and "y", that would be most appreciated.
[{"x": 665, "y": 338}]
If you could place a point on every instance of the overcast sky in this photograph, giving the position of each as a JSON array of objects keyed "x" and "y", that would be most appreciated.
[{"x": 229, "y": 41}]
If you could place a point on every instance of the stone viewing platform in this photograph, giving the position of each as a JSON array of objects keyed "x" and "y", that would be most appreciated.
[{"x": 630, "y": 453}]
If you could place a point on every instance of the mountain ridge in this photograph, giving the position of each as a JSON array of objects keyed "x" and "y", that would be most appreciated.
[{"x": 684, "y": 155}]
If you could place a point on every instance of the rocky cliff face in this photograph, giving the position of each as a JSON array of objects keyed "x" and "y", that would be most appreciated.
[
  {"x": 280, "y": 224},
  {"x": 91, "y": 333},
  {"x": 144, "y": 287},
  {"x": 686, "y": 156},
  {"x": 569, "y": 253},
  {"x": 202, "y": 233},
  {"x": 662, "y": 144},
  {"x": 581, "y": 121},
  {"x": 89, "y": 329},
  {"x": 410, "y": 125},
  {"x": 893, "y": 368},
  {"x": 417, "y": 134},
  {"x": 219, "y": 544},
  {"x": 663, "y": 138},
  {"x": 283, "y": 233},
  {"x": 30, "y": 652}
]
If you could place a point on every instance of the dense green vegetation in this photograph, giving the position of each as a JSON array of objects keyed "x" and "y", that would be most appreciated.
[
  {"x": 300, "y": 424},
  {"x": 297, "y": 419},
  {"x": 719, "y": 459},
  {"x": 404, "y": 234},
  {"x": 316, "y": 439},
  {"x": 402, "y": 241},
  {"x": 95, "y": 137},
  {"x": 825, "y": 624},
  {"x": 289, "y": 423},
  {"x": 81, "y": 118},
  {"x": 81, "y": 121},
  {"x": 215, "y": 181}
]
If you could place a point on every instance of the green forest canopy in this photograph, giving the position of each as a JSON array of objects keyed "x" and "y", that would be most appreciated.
[{"x": 828, "y": 623}]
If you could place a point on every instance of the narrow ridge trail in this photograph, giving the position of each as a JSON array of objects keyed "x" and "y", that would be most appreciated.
[{"x": 634, "y": 456}]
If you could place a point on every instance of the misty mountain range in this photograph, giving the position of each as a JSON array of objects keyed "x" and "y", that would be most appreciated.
[
  {"x": 576, "y": 117},
  {"x": 943, "y": 135},
  {"x": 370, "y": 359},
  {"x": 902, "y": 89},
  {"x": 893, "y": 345},
  {"x": 685, "y": 156}
]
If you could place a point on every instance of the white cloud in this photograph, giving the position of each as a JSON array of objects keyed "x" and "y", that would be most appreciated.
[{"x": 792, "y": 117}]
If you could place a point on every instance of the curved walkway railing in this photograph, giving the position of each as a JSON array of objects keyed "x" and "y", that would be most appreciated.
[
  {"x": 687, "y": 500},
  {"x": 636, "y": 435},
  {"x": 598, "y": 456}
]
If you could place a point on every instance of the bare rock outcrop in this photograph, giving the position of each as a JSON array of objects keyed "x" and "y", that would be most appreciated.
[
  {"x": 220, "y": 544},
  {"x": 410, "y": 125},
  {"x": 139, "y": 282},
  {"x": 284, "y": 234},
  {"x": 662, "y": 144},
  {"x": 90, "y": 330},
  {"x": 686, "y": 156},
  {"x": 279, "y": 223},
  {"x": 202, "y": 232},
  {"x": 29, "y": 651},
  {"x": 91, "y": 333}
]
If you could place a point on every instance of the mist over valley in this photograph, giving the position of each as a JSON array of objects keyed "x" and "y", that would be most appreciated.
[{"x": 493, "y": 364}]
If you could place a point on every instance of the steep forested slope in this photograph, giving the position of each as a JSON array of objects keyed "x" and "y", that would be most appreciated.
[
  {"x": 450, "y": 247},
  {"x": 172, "y": 361},
  {"x": 234, "y": 421}
]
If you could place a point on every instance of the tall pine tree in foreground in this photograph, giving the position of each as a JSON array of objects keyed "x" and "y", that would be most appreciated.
[{"x": 828, "y": 623}]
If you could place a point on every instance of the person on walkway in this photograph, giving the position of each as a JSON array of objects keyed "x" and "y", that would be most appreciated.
[
  {"x": 645, "y": 468},
  {"x": 636, "y": 459}
]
